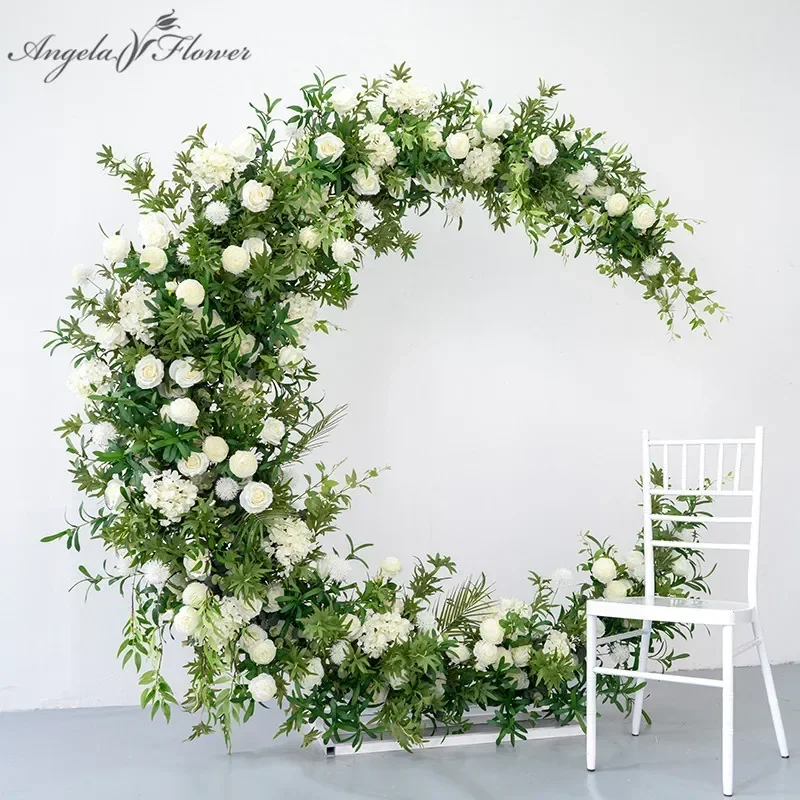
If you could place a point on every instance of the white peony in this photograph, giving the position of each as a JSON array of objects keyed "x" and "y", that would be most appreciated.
[
  {"x": 329, "y": 146},
  {"x": 491, "y": 631},
  {"x": 243, "y": 148},
  {"x": 243, "y": 464},
  {"x": 651, "y": 266},
  {"x": 290, "y": 358},
  {"x": 342, "y": 251},
  {"x": 212, "y": 165},
  {"x": 309, "y": 238},
  {"x": 255, "y": 497},
  {"x": 184, "y": 411},
  {"x": 544, "y": 150},
  {"x": 153, "y": 229},
  {"x": 256, "y": 196},
  {"x": 153, "y": 259},
  {"x": 485, "y": 654},
  {"x": 116, "y": 248},
  {"x": 235, "y": 259},
  {"x": 148, "y": 372},
  {"x": 193, "y": 465},
  {"x": 521, "y": 655},
  {"x": 217, "y": 213},
  {"x": 194, "y": 595},
  {"x": 366, "y": 181},
  {"x": 616, "y": 589},
  {"x": 644, "y": 217},
  {"x": 262, "y": 652},
  {"x": 186, "y": 621},
  {"x": 616, "y": 204},
  {"x": 381, "y": 149},
  {"x": 262, "y": 688},
  {"x": 391, "y": 566},
  {"x": 184, "y": 373},
  {"x": 215, "y": 448},
  {"x": 457, "y": 145},
  {"x": 604, "y": 570},
  {"x": 110, "y": 337},
  {"x": 494, "y": 125},
  {"x": 343, "y": 99},
  {"x": 272, "y": 431},
  {"x": 191, "y": 292}
]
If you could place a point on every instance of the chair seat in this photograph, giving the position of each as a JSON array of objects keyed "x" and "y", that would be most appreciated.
[{"x": 673, "y": 609}]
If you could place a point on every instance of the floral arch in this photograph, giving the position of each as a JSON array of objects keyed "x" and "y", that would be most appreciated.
[{"x": 198, "y": 398}]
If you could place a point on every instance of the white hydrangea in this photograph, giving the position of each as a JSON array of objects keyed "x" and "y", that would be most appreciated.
[
  {"x": 407, "y": 96},
  {"x": 619, "y": 654},
  {"x": 91, "y": 376},
  {"x": 290, "y": 541},
  {"x": 212, "y": 165},
  {"x": 169, "y": 494},
  {"x": 510, "y": 605},
  {"x": 135, "y": 317},
  {"x": 302, "y": 311},
  {"x": 381, "y": 151},
  {"x": 379, "y": 631},
  {"x": 557, "y": 642},
  {"x": 334, "y": 567},
  {"x": 480, "y": 162}
]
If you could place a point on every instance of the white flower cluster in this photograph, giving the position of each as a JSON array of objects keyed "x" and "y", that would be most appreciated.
[
  {"x": 381, "y": 149},
  {"x": 170, "y": 495},
  {"x": 407, "y": 96},
  {"x": 303, "y": 308},
  {"x": 480, "y": 162},
  {"x": 290, "y": 541},
  {"x": 91, "y": 376},
  {"x": 334, "y": 568},
  {"x": 215, "y": 164},
  {"x": 379, "y": 631},
  {"x": 604, "y": 570},
  {"x": 133, "y": 312},
  {"x": 557, "y": 642},
  {"x": 102, "y": 434}
]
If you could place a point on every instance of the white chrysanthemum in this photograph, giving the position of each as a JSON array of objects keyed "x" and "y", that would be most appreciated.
[
  {"x": 91, "y": 376},
  {"x": 651, "y": 266},
  {"x": 339, "y": 653},
  {"x": 217, "y": 213},
  {"x": 407, "y": 96},
  {"x": 302, "y": 312},
  {"x": 169, "y": 494},
  {"x": 557, "y": 642},
  {"x": 155, "y": 573},
  {"x": 587, "y": 174},
  {"x": 291, "y": 541},
  {"x": 212, "y": 165},
  {"x": 426, "y": 621},
  {"x": 103, "y": 433},
  {"x": 227, "y": 489},
  {"x": 379, "y": 631},
  {"x": 561, "y": 579},
  {"x": 135, "y": 314},
  {"x": 480, "y": 162},
  {"x": 365, "y": 215},
  {"x": 334, "y": 567},
  {"x": 454, "y": 209},
  {"x": 619, "y": 654},
  {"x": 381, "y": 151}
]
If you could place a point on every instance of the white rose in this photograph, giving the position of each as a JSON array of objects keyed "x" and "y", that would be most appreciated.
[
  {"x": 255, "y": 497},
  {"x": 256, "y": 196},
  {"x": 458, "y": 654},
  {"x": 491, "y": 631},
  {"x": 544, "y": 150},
  {"x": 193, "y": 465},
  {"x": 113, "y": 495},
  {"x": 375, "y": 107},
  {"x": 290, "y": 358},
  {"x": 215, "y": 448},
  {"x": 682, "y": 567},
  {"x": 494, "y": 125},
  {"x": 153, "y": 259},
  {"x": 329, "y": 146},
  {"x": 183, "y": 411},
  {"x": 616, "y": 590},
  {"x": 243, "y": 148},
  {"x": 252, "y": 634},
  {"x": 366, "y": 181},
  {"x": 110, "y": 337},
  {"x": 352, "y": 625},
  {"x": 391, "y": 566},
  {"x": 273, "y": 431},
  {"x": 184, "y": 374},
  {"x": 457, "y": 145},
  {"x": 616, "y": 204},
  {"x": 604, "y": 569},
  {"x": 433, "y": 135},
  {"x": 485, "y": 653},
  {"x": 343, "y": 99},
  {"x": 191, "y": 292},
  {"x": 116, "y": 248},
  {"x": 194, "y": 595},
  {"x": 262, "y": 688},
  {"x": 255, "y": 246},
  {"x": 262, "y": 652},
  {"x": 644, "y": 217},
  {"x": 243, "y": 464},
  {"x": 342, "y": 251},
  {"x": 148, "y": 372},
  {"x": 235, "y": 259},
  {"x": 521, "y": 655},
  {"x": 186, "y": 621},
  {"x": 197, "y": 566},
  {"x": 314, "y": 676},
  {"x": 153, "y": 230},
  {"x": 309, "y": 238}
]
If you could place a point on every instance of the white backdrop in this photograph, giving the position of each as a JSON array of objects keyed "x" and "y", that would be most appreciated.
[{"x": 506, "y": 393}]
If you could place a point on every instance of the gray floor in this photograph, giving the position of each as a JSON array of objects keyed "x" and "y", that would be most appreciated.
[{"x": 118, "y": 753}]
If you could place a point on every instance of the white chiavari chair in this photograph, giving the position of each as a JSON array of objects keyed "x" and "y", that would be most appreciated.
[{"x": 651, "y": 608}]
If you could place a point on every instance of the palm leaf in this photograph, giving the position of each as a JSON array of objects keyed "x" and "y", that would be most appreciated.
[
  {"x": 318, "y": 433},
  {"x": 464, "y": 607}
]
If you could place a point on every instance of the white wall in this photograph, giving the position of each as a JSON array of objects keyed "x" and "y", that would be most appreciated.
[{"x": 507, "y": 393}]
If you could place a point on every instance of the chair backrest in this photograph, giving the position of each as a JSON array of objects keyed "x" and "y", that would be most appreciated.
[{"x": 675, "y": 457}]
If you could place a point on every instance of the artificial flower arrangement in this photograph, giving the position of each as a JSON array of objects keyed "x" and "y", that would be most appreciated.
[{"x": 198, "y": 410}]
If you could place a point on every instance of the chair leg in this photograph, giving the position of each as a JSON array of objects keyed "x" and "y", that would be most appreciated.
[
  {"x": 638, "y": 702},
  {"x": 591, "y": 691},
  {"x": 769, "y": 685},
  {"x": 727, "y": 710}
]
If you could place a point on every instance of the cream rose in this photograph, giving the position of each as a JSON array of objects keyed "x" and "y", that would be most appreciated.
[
  {"x": 243, "y": 464},
  {"x": 184, "y": 373},
  {"x": 329, "y": 146},
  {"x": 116, "y": 248},
  {"x": 485, "y": 654},
  {"x": 491, "y": 631},
  {"x": 290, "y": 358},
  {"x": 191, "y": 292},
  {"x": 262, "y": 652},
  {"x": 616, "y": 590},
  {"x": 256, "y": 246},
  {"x": 197, "y": 566},
  {"x": 604, "y": 570},
  {"x": 644, "y": 217},
  {"x": 366, "y": 182},
  {"x": 216, "y": 449},
  {"x": 682, "y": 567},
  {"x": 343, "y": 99},
  {"x": 183, "y": 411},
  {"x": 616, "y": 204},
  {"x": 235, "y": 259},
  {"x": 256, "y": 196},
  {"x": 255, "y": 497},
  {"x": 110, "y": 337},
  {"x": 262, "y": 688},
  {"x": 457, "y": 145},
  {"x": 521, "y": 655},
  {"x": 148, "y": 372},
  {"x": 243, "y": 148},
  {"x": 153, "y": 259},
  {"x": 194, "y": 595},
  {"x": 391, "y": 566},
  {"x": 494, "y": 125},
  {"x": 544, "y": 150},
  {"x": 342, "y": 251},
  {"x": 272, "y": 431},
  {"x": 113, "y": 495},
  {"x": 186, "y": 621},
  {"x": 193, "y": 465},
  {"x": 309, "y": 238}
]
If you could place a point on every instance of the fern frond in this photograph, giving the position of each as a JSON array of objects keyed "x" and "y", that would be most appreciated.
[{"x": 464, "y": 607}]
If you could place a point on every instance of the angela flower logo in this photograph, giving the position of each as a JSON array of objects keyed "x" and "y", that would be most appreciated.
[{"x": 162, "y": 41}]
